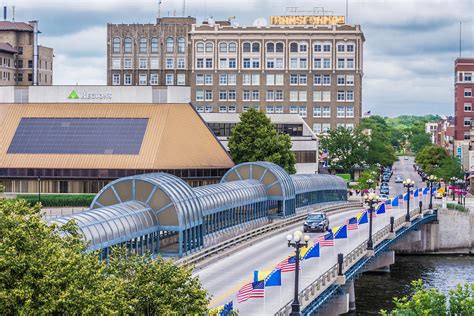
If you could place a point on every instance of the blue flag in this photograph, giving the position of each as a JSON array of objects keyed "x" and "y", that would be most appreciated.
[
  {"x": 405, "y": 197},
  {"x": 274, "y": 278},
  {"x": 313, "y": 252},
  {"x": 364, "y": 218},
  {"x": 380, "y": 209},
  {"x": 416, "y": 193},
  {"x": 395, "y": 201},
  {"x": 425, "y": 191},
  {"x": 341, "y": 232},
  {"x": 227, "y": 309}
]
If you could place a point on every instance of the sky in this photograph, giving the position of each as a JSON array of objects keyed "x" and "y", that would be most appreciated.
[{"x": 409, "y": 51}]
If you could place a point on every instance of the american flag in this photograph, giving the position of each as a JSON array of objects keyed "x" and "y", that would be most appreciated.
[
  {"x": 388, "y": 204},
  {"x": 251, "y": 290},
  {"x": 373, "y": 214},
  {"x": 326, "y": 240},
  {"x": 352, "y": 224},
  {"x": 287, "y": 265},
  {"x": 367, "y": 114}
]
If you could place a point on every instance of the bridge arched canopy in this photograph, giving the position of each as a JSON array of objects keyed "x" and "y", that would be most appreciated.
[{"x": 317, "y": 182}]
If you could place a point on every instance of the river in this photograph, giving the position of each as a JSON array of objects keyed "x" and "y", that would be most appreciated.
[{"x": 375, "y": 291}]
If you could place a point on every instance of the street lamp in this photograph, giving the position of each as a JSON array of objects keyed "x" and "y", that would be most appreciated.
[
  {"x": 408, "y": 184},
  {"x": 431, "y": 180},
  {"x": 371, "y": 199},
  {"x": 297, "y": 241},
  {"x": 453, "y": 182},
  {"x": 370, "y": 182}
]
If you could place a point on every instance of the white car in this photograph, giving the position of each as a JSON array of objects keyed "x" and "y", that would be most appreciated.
[
  {"x": 383, "y": 197},
  {"x": 398, "y": 179}
]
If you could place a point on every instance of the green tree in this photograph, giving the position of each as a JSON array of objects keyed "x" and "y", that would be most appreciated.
[
  {"x": 47, "y": 270},
  {"x": 430, "y": 158},
  {"x": 364, "y": 177},
  {"x": 255, "y": 138},
  {"x": 419, "y": 141},
  {"x": 430, "y": 301},
  {"x": 448, "y": 168},
  {"x": 350, "y": 147}
]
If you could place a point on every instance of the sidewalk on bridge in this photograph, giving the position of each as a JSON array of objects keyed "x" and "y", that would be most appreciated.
[{"x": 54, "y": 212}]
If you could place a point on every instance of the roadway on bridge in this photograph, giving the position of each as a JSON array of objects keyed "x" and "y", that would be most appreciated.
[{"x": 224, "y": 278}]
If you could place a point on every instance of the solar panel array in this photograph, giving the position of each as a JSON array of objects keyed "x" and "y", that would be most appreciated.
[{"x": 100, "y": 136}]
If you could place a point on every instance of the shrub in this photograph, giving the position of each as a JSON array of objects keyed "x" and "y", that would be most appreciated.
[
  {"x": 457, "y": 207},
  {"x": 59, "y": 200}
]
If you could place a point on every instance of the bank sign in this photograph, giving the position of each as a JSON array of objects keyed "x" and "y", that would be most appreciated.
[{"x": 74, "y": 95}]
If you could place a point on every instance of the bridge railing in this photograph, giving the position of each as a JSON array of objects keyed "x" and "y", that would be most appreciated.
[
  {"x": 328, "y": 278},
  {"x": 255, "y": 235}
]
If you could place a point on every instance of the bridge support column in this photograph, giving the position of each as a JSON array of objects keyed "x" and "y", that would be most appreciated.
[
  {"x": 336, "y": 306},
  {"x": 349, "y": 288},
  {"x": 381, "y": 263},
  {"x": 423, "y": 239}
]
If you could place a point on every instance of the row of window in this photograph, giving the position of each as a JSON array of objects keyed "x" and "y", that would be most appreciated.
[
  {"x": 275, "y": 63},
  {"x": 274, "y": 79},
  {"x": 465, "y": 77},
  {"x": 326, "y": 127},
  {"x": 146, "y": 45},
  {"x": 278, "y": 47},
  {"x": 275, "y": 95},
  {"x": 152, "y": 79},
  {"x": 225, "y": 129},
  {"x": 318, "y": 111},
  {"x": 467, "y": 107},
  {"x": 151, "y": 63}
]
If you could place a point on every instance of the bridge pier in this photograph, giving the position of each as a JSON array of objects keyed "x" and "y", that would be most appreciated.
[
  {"x": 423, "y": 239},
  {"x": 381, "y": 263},
  {"x": 338, "y": 305}
]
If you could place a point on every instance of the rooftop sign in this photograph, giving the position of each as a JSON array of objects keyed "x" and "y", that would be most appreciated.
[{"x": 307, "y": 19}]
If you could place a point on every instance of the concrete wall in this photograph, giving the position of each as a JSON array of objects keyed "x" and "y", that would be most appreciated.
[{"x": 456, "y": 230}]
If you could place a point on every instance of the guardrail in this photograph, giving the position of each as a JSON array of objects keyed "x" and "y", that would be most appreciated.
[
  {"x": 328, "y": 278},
  {"x": 261, "y": 232}
]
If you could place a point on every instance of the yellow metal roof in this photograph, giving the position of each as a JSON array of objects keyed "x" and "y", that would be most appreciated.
[{"x": 175, "y": 138}]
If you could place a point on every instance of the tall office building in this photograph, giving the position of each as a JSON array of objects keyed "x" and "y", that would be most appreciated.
[
  {"x": 310, "y": 65},
  {"x": 23, "y": 61},
  {"x": 463, "y": 88}
]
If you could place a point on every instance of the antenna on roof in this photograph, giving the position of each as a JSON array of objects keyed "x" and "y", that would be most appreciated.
[
  {"x": 5, "y": 13},
  {"x": 184, "y": 8},
  {"x": 13, "y": 13},
  {"x": 159, "y": 9},
  {"x": 460, "y": 38}
]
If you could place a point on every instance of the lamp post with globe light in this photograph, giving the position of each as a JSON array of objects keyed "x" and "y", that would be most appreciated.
[
  {"x": 371, "y": 199},
  {"x": 408, "y": 183},
  {"x": 297, "y": 241},
  {"x": 431, "y": 180}
]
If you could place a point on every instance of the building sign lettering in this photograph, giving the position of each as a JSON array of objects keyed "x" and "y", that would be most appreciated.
[
  {"x": 89, "y": 96},
  {"x": 307, "y": 20}
]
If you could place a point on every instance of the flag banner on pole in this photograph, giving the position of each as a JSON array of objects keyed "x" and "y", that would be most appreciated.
[
  {"x": 274, "y": 278},
  {"x": 433, "y": 190},
  {"x": 251, "y": 290},
  {"x": 362, "y": 218},
  {"x": 313, "y": 252},
  {"x": 223, "y": 310},
  {"x": 426, "y": 190},
  {"x": 395, "y": 202},
  {"x": 400, "y": 198},
  {"x": 326, "y": 240},
  {"x": 352, "y": 223},
  {"x": 405, "y": 197},
  {"x": 388, "y": 204},
  {"x": 287, "y": 265},
  {"x": 339, "y": 232},
  {"x": 381, "y": 209},
  {"x": 304, "y": 250},
  {"x": 416, "y": 193}
]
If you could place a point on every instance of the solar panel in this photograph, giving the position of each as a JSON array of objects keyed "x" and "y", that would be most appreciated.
[{"x": 100, "y": 136}]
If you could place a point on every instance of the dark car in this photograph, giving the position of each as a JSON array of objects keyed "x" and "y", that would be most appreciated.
[
  {"x": 318, "y": 222},
  {"x": 385, "y": 190}
]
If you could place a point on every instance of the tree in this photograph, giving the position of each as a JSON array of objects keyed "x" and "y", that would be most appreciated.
[
  {"x": 255, "y": 138},
  {"x": 47, "y": 270},
  {"x": 430, "y": 301},
  {"x": 349, "y": 146},
  {"x": 381, "y": 149},
  {"x": 364, "y": 176},
  {"x": 430, "y": 158},
  {"x": 448, "y": 168},
  {"x": 420, "y": 141}
]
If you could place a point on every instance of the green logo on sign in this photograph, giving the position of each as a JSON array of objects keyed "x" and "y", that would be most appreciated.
[{"x": 73, "y": 95}]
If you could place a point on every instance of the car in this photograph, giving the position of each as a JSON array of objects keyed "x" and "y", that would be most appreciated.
[
  {"x": 406, "y": 158},
  {"x": 438, "y": 195},
  {"x": 383, "y": 197},
  {"x": 317, "y": 221},
  {"x": 399, "y": 179},
  {"x": 385, "y": 190},
  {"x": 384, "y": 185}
]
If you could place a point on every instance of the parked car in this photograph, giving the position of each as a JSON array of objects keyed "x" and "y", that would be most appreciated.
[
  {"x": 406, "y": 158},
  {"x": 383, "y": 197},
  {"x": 385, "y": 190},
  {"x": 399, "y": 179},
  {"x": 317, "y": 221}
]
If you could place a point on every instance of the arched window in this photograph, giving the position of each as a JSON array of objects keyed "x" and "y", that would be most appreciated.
[
  {"x": 294, "y": 47},
  {"x": 270, "y": 47},
  {"x": 116, "y": 45},
  {"x": 232, "y": 47},
  {"x": 200, "y": 47},
  {"x": 154, "y": 44},
  {"x": 223, "y": 47},
  {"x": 279, "y": 47},
  {"x": 181, "y": 45},
  {"x": 209, "y": 47},
  {"x": 246, "y": 47},
  {"x": 255, "y": 47},
  {"x": 127, "y": 45},
  {"x": 169, "y": 45},
  {"x": 143, "y": 48}
]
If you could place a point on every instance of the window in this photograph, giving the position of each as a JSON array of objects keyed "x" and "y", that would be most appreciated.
[
  {"x": 350, "y": 63},
  {"x": 116, "y": 45},
  {"x": 293, "y": 109},
  {"x": 246, "y": 79},
  {"x": 279, "y": 47},
  {"x": 181, "y": 63},
  {"x": 349, "y": 126},
  {"x": 317, "y": 128},
  {"x": 115, "y": 79},
  {"x": 302, "y": 80},
  {"x": 303, "y": 48},
  {"x": 293, "y": 47},
  {"x": 255, "y": 80},
  {"x": 303, "y": 63},
  {"x": 232, "y": 79},
  {"x": 222, "y": 109},
  {"x": 341, "y": 80},
  {"x": 326, "y": 127},
  {"x": 327, "y": 80},
  {"x": 208, "y": 80},
  {"x": 255, "y": 47},
  {"x": 340, "y": 125},
  {"x": 169, "y": 45},
  {"x": 199, "y": 79},
  {"x": 169, "y": 79},
  {"x": 142, "y": 63},
  {"x": 467, "y": 76},
  {"x": 340, "y": 48},
  {"x": 200, "y": 47},
  {"x": 200, "y": 63},
  {"x": 223, "y": 47},
  {"x": 199, "y": 108},
  {"x": 350, "y": 80},
  {"x": 142, "y": 81},
  {"x": 270, "y": 95},
  {"x": 350, "y": 95},
  {"x": 303, "y": 96},
  {"x": 269, "y": 109},
  {"x": 231, "y": 96},
  {"x": 154, "y": 79},
  {"x": 279, "y": 63},
  {"x": 326, "y": 63},
  {"x": 279, "y": 109},
  {"x": 317, "y": 80},
  {"x": 327, "y": 48},
  {"x": 349, "y": 111},
  {"x": 127, "y": 79},
  {"x": 279, "y": 80},
  {"x": 154, "y": 44},
  {"x": 223, "y": 63},
  {"x": 232, "y": 47},
  {"x": 232, "y": 63},
  {"x": 246, "y": 95},
  {"x": 232, "y": 108},
  {"x": 467, "y": 135},
  {"x": 127, "y": 63},
  {"x": 317, "y": 96},
  {"x": 326, "y": 96},
  {"x": 181, "y": 44},
  {"x": 326, "y": 111},
  {"x": 293, "y": 79},
  {"x": 116, "y": 63},
  {"x": 255, "y": 63},
  {"x": 293, "y": 63},
  {"x": 246, "y": 63},
  {"x": 467, "y": 107},
  {"x": 340, "y": 111},
  {"x": 293, "y": 95},
  {"x": 208, "y": 95},
  {"x": 143, "y": 45},
  {"x": 209, "y": 47},
  {"x": 279, "y": 95},
  {"x": 270, "y": 63},
  {"x": 199, "y": 95},
  {"x": 270, "y": 47},
  {"x": 127, "y": 45},
  {"x": 316, "y": 111},
  {"x": 340, "y": 63},
  {"x": 30, "y": 63},
  {"x": 270, "y": 80},
  {"x": 246, "y": 47},
  {"x": 208, "y": 108},
  {"x": 222, "y": 95},
  {"x": 154, "y": 64},
  {"x": 181, "y": 79},
  {"x": 467, "y": 121},
  {"x": 317, "y": 47},
  {"x": 255, "y": 95},
  {"x": 350, "y": 48},
  {"x": 341, "y": 96},
  {"x": 208, "y": 62},
  {"x": 222, "y": 80},
  {"x": 169, "y": 63},
  {"x": 302, "y": 111},
  {"x": 467, "y": 92}
]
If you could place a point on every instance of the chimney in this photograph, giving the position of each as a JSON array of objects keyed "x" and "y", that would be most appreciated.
[
  {"x": 34, "y": 24},
  {"x": 4, "y": 13}
]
